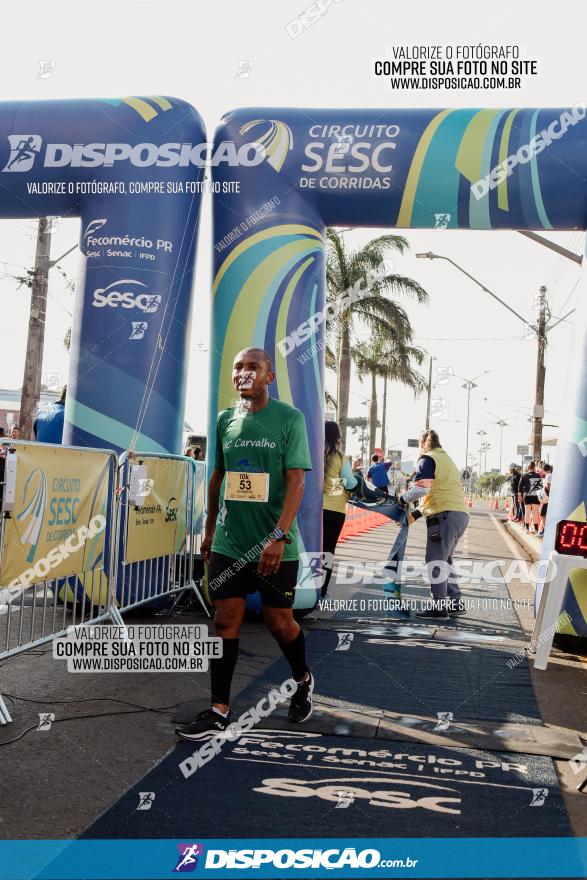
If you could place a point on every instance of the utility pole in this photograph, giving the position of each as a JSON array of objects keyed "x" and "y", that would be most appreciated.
[
  {"x": 31, "y": 383},
  {"x": 540, "y": 376},
  {"x": 429, "y": 394}
]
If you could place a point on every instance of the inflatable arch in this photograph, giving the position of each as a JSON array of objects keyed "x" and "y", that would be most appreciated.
[
  {"x": 128, "y": 168},
  {"x": 282, "y": 177},
  {"x": 387, "y": 168}
]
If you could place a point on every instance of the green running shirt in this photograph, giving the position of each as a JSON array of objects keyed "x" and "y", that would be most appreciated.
[{"x": 255, "y": 450}]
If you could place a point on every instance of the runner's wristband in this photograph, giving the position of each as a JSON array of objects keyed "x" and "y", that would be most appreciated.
[{"x": 280, "y": 535}]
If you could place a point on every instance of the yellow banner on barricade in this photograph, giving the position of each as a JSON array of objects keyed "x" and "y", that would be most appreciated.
[
  {"x": 199, "y": 496},
  {"x": 158, "y": 526},
  {"x": 57, "y": 525}
]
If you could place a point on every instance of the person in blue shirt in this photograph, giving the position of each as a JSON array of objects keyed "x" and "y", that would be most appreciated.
[
  {"x": 48, "y": 425},
  {"x": 378, "y": 473}
]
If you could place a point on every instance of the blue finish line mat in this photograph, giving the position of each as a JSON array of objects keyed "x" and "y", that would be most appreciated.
[{"x": 288, "y": 782}]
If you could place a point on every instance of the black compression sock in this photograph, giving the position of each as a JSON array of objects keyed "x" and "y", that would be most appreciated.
[
  {"x": 295, "y": 654},
  {"x": 222, "y": 670}
]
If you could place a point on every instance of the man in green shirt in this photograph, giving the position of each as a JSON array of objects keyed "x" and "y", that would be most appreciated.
[{"x": 251, "y": 535}]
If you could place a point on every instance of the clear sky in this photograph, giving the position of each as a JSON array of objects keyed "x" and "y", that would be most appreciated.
[{"x": 193, "y": 51}]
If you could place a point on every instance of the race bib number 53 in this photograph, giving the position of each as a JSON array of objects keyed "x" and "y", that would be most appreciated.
[{"x": 246, "y": 486}]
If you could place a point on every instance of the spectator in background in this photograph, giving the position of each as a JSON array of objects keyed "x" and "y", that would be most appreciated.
[
  {"x": 378, "y": 473},
  {"x": 515, "y": 477},
  {"x": 48, "y": 425},
  {"x": 2, "y": 433},
  {"x": 338, "y": 481},
  {"x": 530, "y": 489},
  {"x": 190, "y": 452},
  {"x": 544, "y": 498},
  {"x": 15, "y": 433},
  {"x": 198, "y": 453}
]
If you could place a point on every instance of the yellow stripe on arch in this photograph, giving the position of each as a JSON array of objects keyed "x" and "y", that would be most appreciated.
[
  {"x": 143, "y": 109},
  {"x": 469, "y": 161},
  {"x": 274, "y": 231},
  {"x": 281, "y": 370},
  {"x": 502, "y": 187},
  {"x": 407, "y": 206},
  {"x": 161, "y": 102}
]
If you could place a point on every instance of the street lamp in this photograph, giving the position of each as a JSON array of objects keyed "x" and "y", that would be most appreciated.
[
  {"x": 541, "y": 329},
  {"x": 430, "y": 256},
  {"x": 502, "y": 425},
  {"x": 468, "y": 386}
]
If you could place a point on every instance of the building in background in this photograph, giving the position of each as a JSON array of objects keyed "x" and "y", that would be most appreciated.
[{"x": 10, "y": 405}]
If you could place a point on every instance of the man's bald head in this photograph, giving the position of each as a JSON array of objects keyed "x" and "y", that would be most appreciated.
[
  {"x": 252, "y": 373},
  {"x": 259, "y": 353}
]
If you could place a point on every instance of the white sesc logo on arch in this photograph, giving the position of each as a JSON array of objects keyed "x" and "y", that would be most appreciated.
[{"x": 126, "y": 294}]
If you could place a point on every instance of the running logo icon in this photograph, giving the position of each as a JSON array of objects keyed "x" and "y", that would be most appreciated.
[
  {"x": 138, "y": 329},
  {"x": 344, "y": 641},
  {"x": 24, "y": 149},
  {"x": 187, "y": 860},
  {"x": 539, "y": 796}
]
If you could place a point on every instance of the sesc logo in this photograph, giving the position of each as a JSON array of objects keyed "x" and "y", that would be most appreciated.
[
  {"x": 24, "y": 149},
  {"x": 115, "y": 295},
  {"x": 171, "y": 510}
]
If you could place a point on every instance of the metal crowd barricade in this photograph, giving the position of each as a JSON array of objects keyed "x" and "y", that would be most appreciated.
[
  {"x": 42, "y": 608},
  {"x": 157, "y": 574}
]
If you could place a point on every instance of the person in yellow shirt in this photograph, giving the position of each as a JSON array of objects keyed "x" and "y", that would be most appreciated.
[
  {"x": 338, "y": 481},
  {"x": 437, "y": 484}
]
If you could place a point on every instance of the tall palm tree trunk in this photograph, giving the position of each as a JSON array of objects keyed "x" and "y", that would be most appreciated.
[
  {"x": 373, "y": 412},
  {"x": 343, "y": 380},
  {"x": 384, "y": 414}
]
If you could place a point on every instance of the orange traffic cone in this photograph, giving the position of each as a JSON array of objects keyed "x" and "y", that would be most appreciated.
[{"x": 354, "y": 529}]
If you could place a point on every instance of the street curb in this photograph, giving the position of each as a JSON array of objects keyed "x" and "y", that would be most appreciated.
[{"x": 531, "y": 544}]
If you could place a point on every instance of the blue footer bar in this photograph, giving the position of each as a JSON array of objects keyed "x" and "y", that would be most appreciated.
[{"x": 294, "y": 857}]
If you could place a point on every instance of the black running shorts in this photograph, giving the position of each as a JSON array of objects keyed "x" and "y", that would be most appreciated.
[{"x": 230, "y": 578}]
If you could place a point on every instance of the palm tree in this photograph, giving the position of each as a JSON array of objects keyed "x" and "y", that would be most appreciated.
[
  {"x": 390, "y": 359},
  {"x": 365, "y": 271}
]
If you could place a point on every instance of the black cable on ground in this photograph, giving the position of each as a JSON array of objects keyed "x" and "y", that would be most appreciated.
[
  {"x": 73, "y": 718},
  {"x": 45, "y": 702}
]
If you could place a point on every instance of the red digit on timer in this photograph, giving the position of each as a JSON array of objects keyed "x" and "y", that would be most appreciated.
[{"x": 572, "y": 538}]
